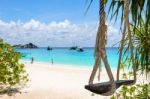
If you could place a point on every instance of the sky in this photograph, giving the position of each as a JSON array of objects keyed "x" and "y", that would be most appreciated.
[{"x": 56, "y": 23}]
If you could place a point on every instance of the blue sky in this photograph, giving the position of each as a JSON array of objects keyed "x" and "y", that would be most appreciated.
[
  {"x": 51, "y": 22},
  {"x": 48, "y": 10}
]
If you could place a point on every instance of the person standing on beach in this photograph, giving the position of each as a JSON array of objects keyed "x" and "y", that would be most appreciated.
[
  {"x": 32, "y": 60},
  {"x": 52, "y": 61}
]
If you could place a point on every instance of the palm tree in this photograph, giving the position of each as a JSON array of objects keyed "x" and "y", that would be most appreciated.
[
  {"x": 138, "y": 8},
  {"x": 142, "y": 44},
  {"x": 127, "y": 35},
  {"x": 137, "y": 11}
]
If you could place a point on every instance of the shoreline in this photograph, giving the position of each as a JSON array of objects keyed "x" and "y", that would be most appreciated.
[
  {"x": 66, "y": 65},
  {"x": 40, "y": 62}
]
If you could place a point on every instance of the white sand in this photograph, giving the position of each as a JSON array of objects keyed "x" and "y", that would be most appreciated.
[{"x": 57, "y": 82}]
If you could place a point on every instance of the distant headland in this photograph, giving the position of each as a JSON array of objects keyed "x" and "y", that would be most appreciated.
[{"x": 29, "y": 45}]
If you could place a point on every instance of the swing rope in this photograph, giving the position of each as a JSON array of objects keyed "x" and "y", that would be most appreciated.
[{"x": 108, "y": 88}]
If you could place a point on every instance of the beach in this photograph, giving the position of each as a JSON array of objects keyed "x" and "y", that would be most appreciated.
[{"x": 55, "y": 81}]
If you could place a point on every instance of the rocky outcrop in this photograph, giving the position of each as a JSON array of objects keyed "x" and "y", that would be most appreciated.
[{"x": 30, "y": 45}]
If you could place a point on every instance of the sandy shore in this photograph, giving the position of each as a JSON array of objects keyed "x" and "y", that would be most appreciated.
[{"x": 57, "y": 82}]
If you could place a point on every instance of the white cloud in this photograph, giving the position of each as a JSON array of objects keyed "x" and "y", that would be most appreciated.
[{"x": 54, "y": 33}]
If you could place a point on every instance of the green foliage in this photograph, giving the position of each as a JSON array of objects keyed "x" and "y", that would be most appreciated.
[
  {"x": 127, "y": 71},
  {"x": 11, "y": 71},
  {"x": 142, "y": 44},
  {"x": 139, "y": 11},
  {"x": 133, "y": 92},
  {"x": 138, "y": 8},
  {"x": 141, "y": 41}
]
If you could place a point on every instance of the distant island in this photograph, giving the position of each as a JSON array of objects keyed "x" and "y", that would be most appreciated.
[{"x": 30, "y": 45}]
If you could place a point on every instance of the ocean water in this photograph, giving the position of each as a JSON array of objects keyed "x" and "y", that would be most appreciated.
[{"x": 66, "y": 56}]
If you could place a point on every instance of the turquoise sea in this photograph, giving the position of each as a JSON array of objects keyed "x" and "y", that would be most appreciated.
[{"x": 66, "y": 56}]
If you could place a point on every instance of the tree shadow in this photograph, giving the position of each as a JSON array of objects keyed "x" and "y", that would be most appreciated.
[{"x": 10, "y": 91}]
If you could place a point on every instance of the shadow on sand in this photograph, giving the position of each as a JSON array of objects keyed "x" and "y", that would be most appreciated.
[{"x": 9, "y": 91}]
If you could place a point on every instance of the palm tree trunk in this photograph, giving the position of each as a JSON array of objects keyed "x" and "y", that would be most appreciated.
[{"x": 130, "y": 36}]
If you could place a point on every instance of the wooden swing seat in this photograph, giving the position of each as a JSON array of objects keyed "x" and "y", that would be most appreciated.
[{"x": 104, "y": 87}]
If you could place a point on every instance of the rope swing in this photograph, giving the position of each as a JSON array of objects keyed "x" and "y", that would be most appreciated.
[{"x": 108, "y": 88}]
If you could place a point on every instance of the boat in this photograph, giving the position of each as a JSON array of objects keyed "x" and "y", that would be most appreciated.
[
  {"x": 49, "y": 48},
  {"x": 80, "y": 49},
  {"x": 73, "y": 48}
]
